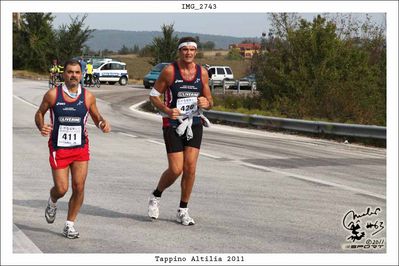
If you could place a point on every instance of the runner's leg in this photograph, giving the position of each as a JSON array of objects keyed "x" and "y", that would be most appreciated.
[
  {"x": 174, "y": 170},
  {"x": 79, "y": 173},
  {"x": 60, "y": 178},
  {"x": 189, "y": 168}
]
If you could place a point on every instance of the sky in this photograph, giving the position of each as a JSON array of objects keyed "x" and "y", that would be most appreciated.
[{"x": 227, "y": 24}]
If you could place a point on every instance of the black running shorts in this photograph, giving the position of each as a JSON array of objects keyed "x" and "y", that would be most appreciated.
[{"x": 176, "y": 143}]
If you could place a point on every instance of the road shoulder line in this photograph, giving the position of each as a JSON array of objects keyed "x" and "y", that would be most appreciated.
[{"x": 22, "y": 243}]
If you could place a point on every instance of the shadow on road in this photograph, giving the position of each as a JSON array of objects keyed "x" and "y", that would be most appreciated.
[{"x": 86, "y": 209}]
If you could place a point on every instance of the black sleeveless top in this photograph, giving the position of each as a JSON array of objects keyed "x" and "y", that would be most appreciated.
[
  {"x": 182, "y": 93},
  {"x": 69, "y": 121}
]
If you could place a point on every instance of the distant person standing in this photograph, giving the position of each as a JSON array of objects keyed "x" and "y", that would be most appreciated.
[
  {"x": 69, "y": 105},
  {"x": 186, "y": 92},
  {"x": 84, "y": 70},
  {"x": 89, "y": 75},
  {"x": 55, "y": 72}
]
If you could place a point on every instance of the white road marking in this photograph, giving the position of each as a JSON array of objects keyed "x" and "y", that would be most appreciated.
[
  {"x": 210, "y": 155},
  {"x": 154, "y": 141},
  {"x": 22, "y": 100},
  {"x": 126, "y": 134},
  {"x": 344, "y": 187},
  {"x": 22, "y": 243}
]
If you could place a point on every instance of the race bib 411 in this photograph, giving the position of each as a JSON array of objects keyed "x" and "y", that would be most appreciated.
[{"x": 69, "y": 136}]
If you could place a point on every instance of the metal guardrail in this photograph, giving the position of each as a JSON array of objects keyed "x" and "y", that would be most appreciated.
[
  {"x": 229, "y": 83},
  {"x": 351, "y": 130},
  {"x": 340, "y": 129},
  {"x": 225, "y": 84}
]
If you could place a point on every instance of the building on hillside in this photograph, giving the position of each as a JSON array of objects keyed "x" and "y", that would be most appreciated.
[{"x": 247, "y": 50}]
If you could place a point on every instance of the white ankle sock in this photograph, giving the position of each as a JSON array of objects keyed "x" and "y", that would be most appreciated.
[
  {"x": 69, "y": 223},
  {"x": 52, "y": 204}
]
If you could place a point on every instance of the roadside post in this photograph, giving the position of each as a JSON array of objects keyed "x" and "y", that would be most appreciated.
[
  {"x": 224, "y": 88},
  {"x": 253, "y": 86}
]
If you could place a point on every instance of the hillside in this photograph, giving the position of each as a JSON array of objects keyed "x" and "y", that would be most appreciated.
[{"x": 114, "y": 39}]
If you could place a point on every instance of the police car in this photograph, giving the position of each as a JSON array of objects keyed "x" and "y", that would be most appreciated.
[{"x": 111, "y": 71}]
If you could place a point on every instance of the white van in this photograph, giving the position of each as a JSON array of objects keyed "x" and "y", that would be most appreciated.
[
  {"x": 219, "y": 73},
  {"x": 111, "y": 71}
]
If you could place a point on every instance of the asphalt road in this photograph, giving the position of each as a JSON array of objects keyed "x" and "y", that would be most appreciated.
[{"x": 255, "y": 192}]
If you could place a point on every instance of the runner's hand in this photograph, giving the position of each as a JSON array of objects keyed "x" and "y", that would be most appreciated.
[
  {"x": 104, "y": 126},
  {"x": 173, "y": 113},
  {"x": 46, "y": 130},
  {"x": 203, "y": 102}
]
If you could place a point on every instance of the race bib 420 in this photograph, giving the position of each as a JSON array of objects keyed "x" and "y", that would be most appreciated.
[{"x": 187, "y": 105}]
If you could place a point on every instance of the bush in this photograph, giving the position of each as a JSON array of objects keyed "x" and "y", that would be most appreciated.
[
  {"x": 234, "y": 55},
  {"x": 311, "y": 71}
]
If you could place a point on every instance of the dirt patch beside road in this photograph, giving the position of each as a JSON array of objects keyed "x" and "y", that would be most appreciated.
[{"x": 29, "y": 75}]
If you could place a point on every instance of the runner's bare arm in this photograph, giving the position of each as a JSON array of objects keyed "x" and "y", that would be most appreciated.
[
  {"x": 161, "y": 85},
  {"x": 47, "y": 102},
  {"x": 205, "y": 101},
  {"x": 98, "y": 120}
]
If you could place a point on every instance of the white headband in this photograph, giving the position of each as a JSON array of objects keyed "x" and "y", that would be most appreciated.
[{"x": 187, "y": 44}]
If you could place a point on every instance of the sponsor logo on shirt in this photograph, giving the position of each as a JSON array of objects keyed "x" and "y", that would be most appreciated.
[
  {"x": 60, "y": 103},
  {"x": 188, "y": 87},
  {"x": 184, "y": 94},
  {"x": 68, "y": 109},
  {"x": 69, "y": 119},
  {"x": 179, "y": 81}
]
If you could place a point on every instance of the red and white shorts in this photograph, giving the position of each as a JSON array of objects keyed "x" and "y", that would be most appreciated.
[{"x": 62, "y": 158}]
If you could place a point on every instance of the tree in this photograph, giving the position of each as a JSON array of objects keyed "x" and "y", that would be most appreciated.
[
  {"x": 136, "y": 49},
  {"x": 71, "y": 38},
  {"x": 36, "y": 43},
  {"x": 317, "y": 69},
  {"x": 146, "y": 51},
  {"x": 33, "y": 42},
  {"x": 124, "y": 50},
  {"x": 208, "y": 45},
  {"x": 283, "y": 23},
  {"x": 234, "y": 54},
  {"x": 199, "y": 43},
  {"x": 165, "y": 48}
]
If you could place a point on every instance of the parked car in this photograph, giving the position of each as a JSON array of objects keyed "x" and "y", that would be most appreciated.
[
  {"x": 111, "y": 71},
  {"x": 246, "y": 82},
  {"x": 153, "y": 75},
  {"x": 219, "y": 73}
]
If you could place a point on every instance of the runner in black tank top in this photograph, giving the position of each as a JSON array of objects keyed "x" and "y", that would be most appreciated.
[
  {"x": 69, "y": 121},
  {"x": 186, "y": 92},
  {"x": 69, "y": 105},
  {"x": 181, "y": 89}
]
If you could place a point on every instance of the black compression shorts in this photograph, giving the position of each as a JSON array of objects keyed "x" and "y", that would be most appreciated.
[{"x": 176, "y": 143}]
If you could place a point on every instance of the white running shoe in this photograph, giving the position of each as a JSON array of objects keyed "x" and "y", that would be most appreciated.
[
  {"x": 183, "y": 217},
  {"x": 50, "y": 213},
  {"x": 70, "y": 232},
  {"x": 153, "y": 206}
]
